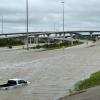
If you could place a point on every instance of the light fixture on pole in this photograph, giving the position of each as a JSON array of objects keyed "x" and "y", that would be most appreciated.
[{"x": 27, "y": 23}]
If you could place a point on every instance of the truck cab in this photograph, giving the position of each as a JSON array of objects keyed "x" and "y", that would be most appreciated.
[
  {"x": 16, "y": 81},
  {"x": 12, "y": 83}
]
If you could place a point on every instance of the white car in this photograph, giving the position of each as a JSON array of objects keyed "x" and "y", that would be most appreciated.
[{"x": 13, "y": 83}]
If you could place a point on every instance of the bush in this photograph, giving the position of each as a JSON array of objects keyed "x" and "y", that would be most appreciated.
[
  {"x": 77, "y": 42},
  {"x": 37, "y": 47},
  {"x": 10, "y": 42},
  {"x": 10, "y": 46},
  {"x": 57, "y": 46}
]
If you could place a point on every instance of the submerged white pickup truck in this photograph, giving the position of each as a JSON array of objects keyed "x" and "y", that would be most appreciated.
[{"x": 13, "y": 83}]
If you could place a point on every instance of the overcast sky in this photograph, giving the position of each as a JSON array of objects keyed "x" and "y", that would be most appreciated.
[{"x": 46, "y": 15}]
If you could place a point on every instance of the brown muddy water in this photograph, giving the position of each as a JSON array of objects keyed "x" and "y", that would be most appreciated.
[{"x": 51, "y": 73}]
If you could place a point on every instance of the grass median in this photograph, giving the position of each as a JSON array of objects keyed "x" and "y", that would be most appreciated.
[
  {"x": 92, "y": 81},
  {"x": 57, "y": 46}
]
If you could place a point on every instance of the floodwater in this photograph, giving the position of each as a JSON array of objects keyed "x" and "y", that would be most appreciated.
[{"x": 51, "y": 73}]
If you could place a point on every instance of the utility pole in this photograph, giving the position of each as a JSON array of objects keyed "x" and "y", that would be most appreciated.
[
  {"x": 27, "y": 23},
  {"x": 2, "y": 25},
  {"x": 63, "y": 19}
]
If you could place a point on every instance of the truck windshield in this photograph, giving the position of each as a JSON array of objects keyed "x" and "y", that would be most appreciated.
[{"x": 11, "y": 82}]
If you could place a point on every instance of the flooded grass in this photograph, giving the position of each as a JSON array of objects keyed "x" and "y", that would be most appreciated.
[{"x": 92, "y": 81}]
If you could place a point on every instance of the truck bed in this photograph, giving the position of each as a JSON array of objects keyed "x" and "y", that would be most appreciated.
[{"x": 6, "y": 85}]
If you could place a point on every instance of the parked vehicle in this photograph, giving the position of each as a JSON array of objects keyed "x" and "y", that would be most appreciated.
[{"x": 13, "y": 83}]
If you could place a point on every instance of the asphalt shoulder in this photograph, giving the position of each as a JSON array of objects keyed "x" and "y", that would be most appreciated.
[{"x": 88, "y": 94}]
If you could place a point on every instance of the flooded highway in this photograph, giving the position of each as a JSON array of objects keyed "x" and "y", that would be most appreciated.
[{"x": 51, "y": 73}]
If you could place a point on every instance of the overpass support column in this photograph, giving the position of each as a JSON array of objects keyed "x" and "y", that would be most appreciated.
[
  {"x": 61, "y": 41},
  {"x": 91, "y": 35},
  {"x": 48, "y": 41},
  {"x": 24, "y": 40},
  {"x": 6, "y": 35},
  {"x": 60, "y": 35},
  {"x": 64, "y": 35},
  {"x": 30, "y": 40},
  {"x": 36, "y": 39},
  {"x": 56, "y": 35},
  {"x": 71, "y": 34}
]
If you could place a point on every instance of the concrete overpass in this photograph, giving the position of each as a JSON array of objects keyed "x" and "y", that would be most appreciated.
[
  {"x": 52, "y": 32},
  {"x": 47, "y": 34},
  {"x": 77, "y": 32}
]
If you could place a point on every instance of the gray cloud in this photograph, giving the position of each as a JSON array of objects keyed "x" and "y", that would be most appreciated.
[{"x": 45, "y": 14}]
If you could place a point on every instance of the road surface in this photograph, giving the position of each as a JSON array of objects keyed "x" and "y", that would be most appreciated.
[
  {"x": 51, "y": 73},
  {"x": 89, "y": 94}
]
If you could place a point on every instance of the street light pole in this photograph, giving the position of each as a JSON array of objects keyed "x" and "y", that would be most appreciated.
[
  {"x": 63, "y": 19},
  {"x": 2, "y": 24},
  {"x": 27, "y": 23}
]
